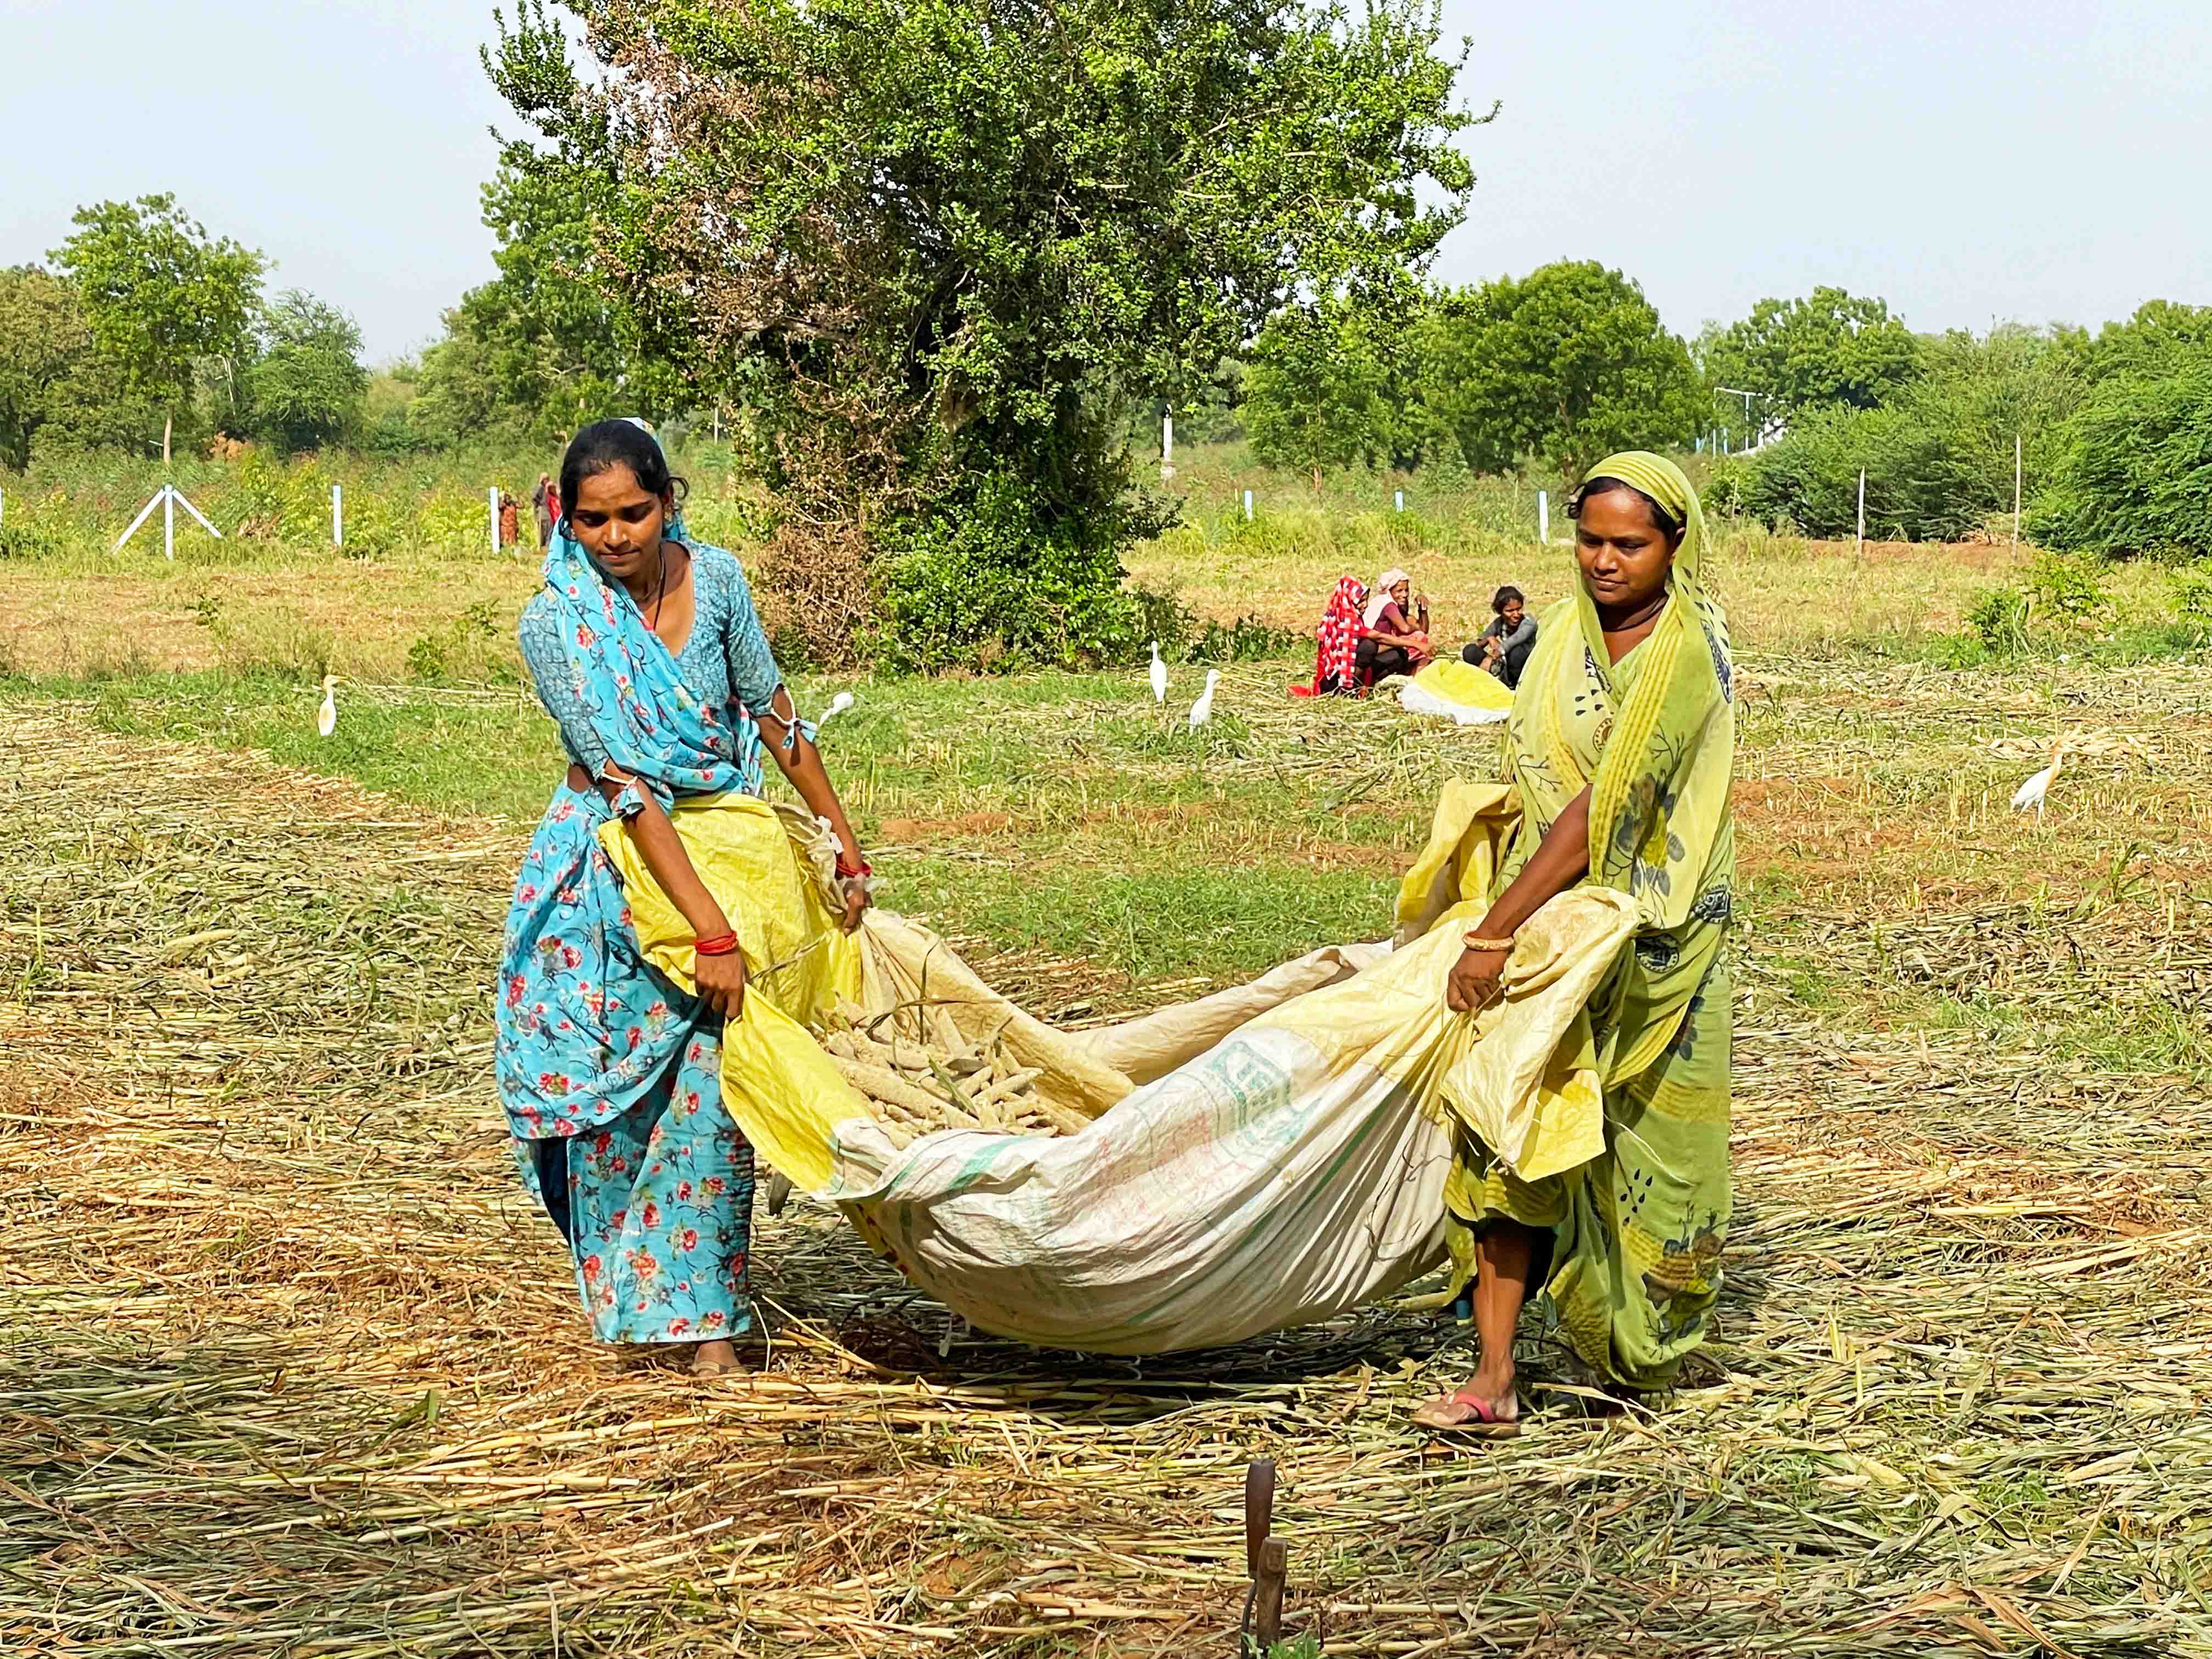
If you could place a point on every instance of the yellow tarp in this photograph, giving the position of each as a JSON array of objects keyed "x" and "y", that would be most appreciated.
[
  {"x": 1457, "y": 690},
  {"x": 1270, "y": 1155}
]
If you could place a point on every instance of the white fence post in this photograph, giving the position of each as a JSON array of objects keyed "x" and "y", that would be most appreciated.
[
  {"x": 168, "y": 522},
  {"x": 1400, "y": 495},
  {"x": 1862, "y": 548},
  {"x": 491, "y": 498},
  {"x": 2015, "y": 492},
  {"x": 338, "y": 517},
  {"x": 1248, "y": 507},
  {"x": 1544, "y": 517},
  {"x": 1166, "y": 445}
]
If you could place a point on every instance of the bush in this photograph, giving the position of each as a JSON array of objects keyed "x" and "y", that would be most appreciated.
[
  {"x": 2061, "y": 594},
  {"x": 25, "y": 532},
  {"x": 2190, "y": 590},
  {"x": 1002, "y": 585},
  {"x": 1919, "y": 486},
  {"x": 1938, "y": 455},
  {"x": 2066, "y": 589},
  {"x": 452, "y": 522},
  {"x": 1727, "y": 477},
  {"x": 1999, "y": 619},
  {"x": 2135, "y": 475}
]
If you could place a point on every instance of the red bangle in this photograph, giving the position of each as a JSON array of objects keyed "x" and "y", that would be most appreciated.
[
  {"x": 853, "y": 869},
  {"x": 721, "y": 945}
]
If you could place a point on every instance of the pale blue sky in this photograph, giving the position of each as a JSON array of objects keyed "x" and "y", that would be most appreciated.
[{"x": 2036, "y": 160}]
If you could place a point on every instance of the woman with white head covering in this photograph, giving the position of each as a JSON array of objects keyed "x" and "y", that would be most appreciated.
[{"x": 1397, "y": 640}]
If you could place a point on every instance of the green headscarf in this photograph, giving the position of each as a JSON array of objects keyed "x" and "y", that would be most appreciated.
[
  {"x": 1638, "y": 1231},
  {"x": 1652, "y": 738}
]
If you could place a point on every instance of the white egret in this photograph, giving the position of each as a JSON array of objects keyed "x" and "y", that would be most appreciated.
[
  {"x": 327, "y": 717},
  {"x": 1202, "y": 710},
  {"x": 1159, "y": 675},
  {"x": 838, "y": 705},
  {"x": 2031, "y": 792}
]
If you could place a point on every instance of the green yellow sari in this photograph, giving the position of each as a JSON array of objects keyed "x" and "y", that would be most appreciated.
[{"x": 1637, "y": 1231}]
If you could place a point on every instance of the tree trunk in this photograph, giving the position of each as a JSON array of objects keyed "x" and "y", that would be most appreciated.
[{"x": 165, "y": 421}]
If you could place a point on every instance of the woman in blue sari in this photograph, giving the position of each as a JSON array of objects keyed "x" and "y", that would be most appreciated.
[{"x": 645, "y": 650}]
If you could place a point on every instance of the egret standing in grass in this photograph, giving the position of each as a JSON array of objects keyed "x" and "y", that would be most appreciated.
[
  {"x": 2031, "y": 792},
  {"x": 838, "y": 705},
  {"x": 1202, "y": 710},
  {"x": 1159, "y": 675},
  {"x": 327, "y": 717}
]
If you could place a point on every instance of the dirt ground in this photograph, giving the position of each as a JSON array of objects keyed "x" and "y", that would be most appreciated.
[{"x": 292, "y": 1366}]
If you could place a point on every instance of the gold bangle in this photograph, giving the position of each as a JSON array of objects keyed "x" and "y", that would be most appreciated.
[{"x": 1476, "y": 942}]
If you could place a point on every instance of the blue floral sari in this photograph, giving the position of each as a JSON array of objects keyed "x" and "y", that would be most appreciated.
[{"x": 609, "y": 1074}]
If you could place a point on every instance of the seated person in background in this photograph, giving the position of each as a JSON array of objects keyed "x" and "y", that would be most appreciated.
[
  {"x": 1503, "y": 647},
  {"x": 1396, "y": 643}
]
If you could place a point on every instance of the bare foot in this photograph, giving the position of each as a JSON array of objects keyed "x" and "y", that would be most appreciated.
[
  {"x": 1487, "y": 1403},
  {"x": 717, "y": 1359}
]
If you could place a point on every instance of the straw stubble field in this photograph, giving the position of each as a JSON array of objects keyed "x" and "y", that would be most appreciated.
[{"x": 292, "y": 1367}]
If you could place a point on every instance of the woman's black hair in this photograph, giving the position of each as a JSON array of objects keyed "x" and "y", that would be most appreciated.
[
  {"x": 1668, "y": 524},
  {"x": 1505, "y": 596},
  {"x": 607, "y": 444}
]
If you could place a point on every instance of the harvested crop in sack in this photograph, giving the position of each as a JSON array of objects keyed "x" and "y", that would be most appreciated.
[{"x": 1271, "y": 1155}]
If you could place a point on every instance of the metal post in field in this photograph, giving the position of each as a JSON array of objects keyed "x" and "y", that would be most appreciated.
[
  {"x": 1861, "y": 549},
  {"x": 3, "y": 507},
  {"x": 1248, "y": 507},
  {"x": 2015, "y": 492},
  {"x": 1399, "y": 497},
  {"x": 492, "y": 497},
  {"x": 338, "y": 517},
  {"x": 167, "y": 499},
  {"x": 1544, "y": 517},
  {"x": 1167, "y": 445}
]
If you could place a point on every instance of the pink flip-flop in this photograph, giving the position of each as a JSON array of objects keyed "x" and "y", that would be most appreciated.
[{"x": 1479, "y": 1417}]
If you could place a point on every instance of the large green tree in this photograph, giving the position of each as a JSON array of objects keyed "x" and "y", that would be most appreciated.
[
  {"x": 1561, "y": 367},
  {"x": 2151, "y": 344},
  {"x": 43, "y": 335},
  {"x": 937, "y": 247},
  {"x": 159, "y": 294},
  {"x": 1939, "y": 456},
  {"x": 1830, "y": 350},
  {"x": 308, "y": 381},
  {"x": 549, "y": 344},
  {"x": 1316, "y": 394}
]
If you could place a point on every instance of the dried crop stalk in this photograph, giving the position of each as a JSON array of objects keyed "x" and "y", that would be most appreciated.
[{"x": 920, "y": 1085}]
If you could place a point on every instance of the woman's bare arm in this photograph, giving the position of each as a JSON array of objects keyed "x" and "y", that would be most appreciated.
[
  {"x": 721, "y": 979},
  {"x": 1561, "y": 859}
]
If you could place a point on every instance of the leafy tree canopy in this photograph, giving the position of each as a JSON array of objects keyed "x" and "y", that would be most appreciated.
[
  {"x": 937, "y": 246},
  {"x": 2135, "y": 473},
  {"x": 1562, "y": 367},
  {"x": 158, "y": 293},
  {"x": 1316, "y": 394},
  {"x": 308, "y": 382},
  {"x": 1830, "y": 350},
  {"x": 1938, "y": 458},
  {"x": 2152, "y": 343},
  {"x": 547, "y": 345},
  {"x": 43, "y": 334}
]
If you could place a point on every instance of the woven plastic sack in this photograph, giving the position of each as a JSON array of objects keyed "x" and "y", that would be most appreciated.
[{"x": 1260, "y": 1159}]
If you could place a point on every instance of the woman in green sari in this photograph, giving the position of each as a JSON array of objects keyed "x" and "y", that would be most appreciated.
[{"x": 1621, "y": 739}]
